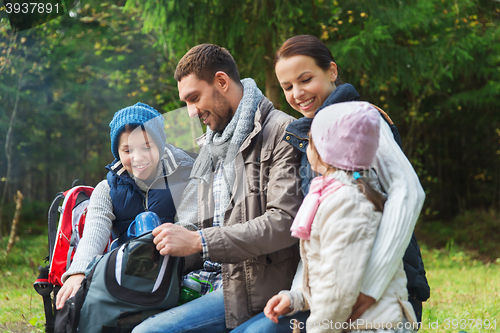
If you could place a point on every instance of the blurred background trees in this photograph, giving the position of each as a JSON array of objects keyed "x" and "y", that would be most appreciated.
[{"x": 433, "y": 65}]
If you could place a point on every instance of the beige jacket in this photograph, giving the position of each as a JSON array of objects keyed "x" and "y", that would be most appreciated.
[
  {"x": 259, "y": 256},
  {"x": 335, "y": 259}
]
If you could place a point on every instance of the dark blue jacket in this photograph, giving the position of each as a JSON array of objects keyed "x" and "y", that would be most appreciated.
[
  {"x": 297, "y": 135},
  {"x": 162, "y": 196}
]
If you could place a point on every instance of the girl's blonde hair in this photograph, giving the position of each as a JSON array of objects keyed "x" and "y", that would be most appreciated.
[{"x": 374, "y": 196}]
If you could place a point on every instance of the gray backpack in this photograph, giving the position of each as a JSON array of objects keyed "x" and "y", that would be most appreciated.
[{"x": 124, "y": 287}]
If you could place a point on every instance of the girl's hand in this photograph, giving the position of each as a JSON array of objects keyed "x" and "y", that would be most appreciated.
[
  {"x": 362, "y": 304},
  {"x": 278, "y": 305},
  {"x": 69, "y": 289}
]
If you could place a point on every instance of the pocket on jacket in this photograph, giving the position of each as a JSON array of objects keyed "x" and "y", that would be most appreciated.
[
  {"x": 275, "y": 257},
  {"x": 270, "y": 274},
  {"x": 252, "y": 175}
]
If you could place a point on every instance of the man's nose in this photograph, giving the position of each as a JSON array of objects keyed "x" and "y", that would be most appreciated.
[{"x": 192, "y": 110}]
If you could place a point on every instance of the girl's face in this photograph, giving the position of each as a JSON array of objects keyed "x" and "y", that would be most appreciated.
[
  {"x": 316, "y": 164},
  {"x": 139, "y": 154},
  {"x": 305, "y": 84}
]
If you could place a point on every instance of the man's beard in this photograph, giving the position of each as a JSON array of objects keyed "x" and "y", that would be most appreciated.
[{"x": 224, "y": 112}]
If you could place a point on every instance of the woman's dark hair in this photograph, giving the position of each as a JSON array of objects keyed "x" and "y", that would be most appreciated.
[
  {"x": 374, "y": 196},
  {"x": 309, "y": 46}
]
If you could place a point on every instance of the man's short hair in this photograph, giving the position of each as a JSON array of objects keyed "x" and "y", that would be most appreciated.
[{"x": 204, "y": 61}]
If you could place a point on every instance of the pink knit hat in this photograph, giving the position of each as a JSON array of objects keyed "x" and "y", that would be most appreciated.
[{"x": 346, "y": 134}]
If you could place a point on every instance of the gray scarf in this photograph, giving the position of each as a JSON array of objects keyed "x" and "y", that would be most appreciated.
[{"x": 226, "y": 145}]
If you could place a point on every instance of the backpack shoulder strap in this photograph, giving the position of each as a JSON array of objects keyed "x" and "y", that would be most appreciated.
[
  {"x": 384, "y": 114},
  {"x": 394, "y": 130}
]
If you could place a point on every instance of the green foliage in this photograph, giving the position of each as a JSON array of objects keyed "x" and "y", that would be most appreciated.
[
  {"x": 72, "y": 75},
  {"x": 250, "y": 30},
  {"x": 33, "y": 219},
  {"x": 477, "y": 231},
  {"x": 434, "y": 67}
]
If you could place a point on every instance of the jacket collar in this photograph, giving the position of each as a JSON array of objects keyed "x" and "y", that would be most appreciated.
[{"x": 263, "y": 110}]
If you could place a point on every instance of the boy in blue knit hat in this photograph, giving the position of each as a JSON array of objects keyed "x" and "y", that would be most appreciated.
[
  {"x": 137, "y": 138},
  {"x": 147, "y": 175}
]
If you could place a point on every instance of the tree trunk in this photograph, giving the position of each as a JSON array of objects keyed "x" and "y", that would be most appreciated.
[
  {"x": 48, "y": 193},
  {"x": 19, "y": 204},
  {"x": 272, "y": 87},
  {"x": 8, "y": 154}
]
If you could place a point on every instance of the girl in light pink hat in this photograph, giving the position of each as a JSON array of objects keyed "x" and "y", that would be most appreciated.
[{"x": 337, "y": 226}]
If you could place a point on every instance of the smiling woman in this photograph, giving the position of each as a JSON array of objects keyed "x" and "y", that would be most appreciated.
[
  {"x": 308, "y": 75},
  {"x": 305, "y": 84}
]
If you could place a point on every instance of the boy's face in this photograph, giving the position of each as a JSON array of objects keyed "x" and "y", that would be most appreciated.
[
  {"x": 206, "y": 102},
  {"x": 139, "y": 154}
]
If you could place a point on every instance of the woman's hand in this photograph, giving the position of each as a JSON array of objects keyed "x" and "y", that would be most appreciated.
[
  {"x": 278, "y": 305},
  {"x": 69, "y": 289}
]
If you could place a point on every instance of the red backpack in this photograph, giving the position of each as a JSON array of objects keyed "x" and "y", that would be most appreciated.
[
  {"x": 69, "y": 231},
  {"x": 63, "y": 241}
]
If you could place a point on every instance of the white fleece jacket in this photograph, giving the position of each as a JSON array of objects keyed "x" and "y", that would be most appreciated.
[{"x": 335, "y": 264}]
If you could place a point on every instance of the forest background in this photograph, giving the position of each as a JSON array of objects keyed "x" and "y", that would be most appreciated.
[{"x": 432, "y": 65}]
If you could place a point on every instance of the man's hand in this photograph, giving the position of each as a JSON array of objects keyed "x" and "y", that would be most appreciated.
[
  {"x": 177, "y": 241},
  {"x": 276, "y": 306},
  {"x": 69, "y": 289},
  {"x": 362, "y": 304}
]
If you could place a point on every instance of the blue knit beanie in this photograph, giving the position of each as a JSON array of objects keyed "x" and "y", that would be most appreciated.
[{"x": 138, "y": 114}]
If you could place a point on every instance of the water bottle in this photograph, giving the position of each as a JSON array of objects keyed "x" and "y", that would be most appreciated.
[{"x": 191, "y": 289}]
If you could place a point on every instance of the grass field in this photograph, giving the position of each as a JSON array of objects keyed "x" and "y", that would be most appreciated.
[
  {"x": 21, "y": 308},
  {"x": 465, "y": 293}
]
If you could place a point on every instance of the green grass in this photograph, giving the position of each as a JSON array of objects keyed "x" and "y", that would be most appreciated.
[
  {"x": 462, "y": 288},
  {"x": 21, "y": 306}
]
